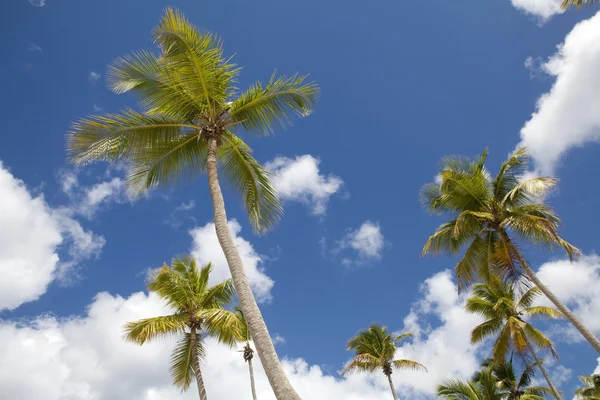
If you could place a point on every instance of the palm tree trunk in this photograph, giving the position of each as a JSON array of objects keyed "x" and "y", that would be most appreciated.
[
  {"x": 389, "y": 376},
  {"x": 251, "y": 377},
  {"x": 542, "y": 369},
  {"x": 587, "y": 334},
  {"x": 258, "y": 329},
  {"x": 196, "y": 361}
]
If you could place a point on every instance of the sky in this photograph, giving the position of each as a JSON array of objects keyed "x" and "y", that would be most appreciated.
[{"x": 402, "y": 85}]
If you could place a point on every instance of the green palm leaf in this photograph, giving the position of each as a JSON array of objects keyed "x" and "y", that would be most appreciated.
[{"x": 152, "y": 328}]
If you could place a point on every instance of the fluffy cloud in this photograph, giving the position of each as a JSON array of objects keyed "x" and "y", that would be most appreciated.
[
  {"x": 365, "y": 244},
  {"x": 543, "y": 9},
  {"x": 30, "y": 236},
  {"x": 567, "y": 115},
  {"x": 438, "y": 348},
  {"x": 299, "y": 179},
  {"x": 84, "y": 358},
  {"x": 206, "y": 248},
  {"x": 37, "y": 3},
  {"x": 578, "y": 285}
]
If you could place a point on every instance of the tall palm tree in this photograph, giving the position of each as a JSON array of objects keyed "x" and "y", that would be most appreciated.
[
  {"x": 375, "y": 348},
  {"x": 497, "y": 302},
  {"x": 191, "y": 114},
  {"x": 243, "y": 335},
  {"x": 514, "y": 387},
  {"x": 591, "y": 391},
  {"x": 198, "y": 310},
  {"x": 485, "y": 212},
  {"x": 485, "y": 388}
]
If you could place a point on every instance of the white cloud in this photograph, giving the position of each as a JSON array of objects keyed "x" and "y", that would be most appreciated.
[
  {"x": 206, "y": 248},
  {"x": 37, "y": 3},
  {"x": 93, "y": 77},
  {"x": 438, "y": 348},
  {"x": 366, "y": 243},
  {"x": 97, "y": 108},
  {"x": 88, "y": 200},
  {"x": 578, "y": 285},
  {"x": 597, "y": 370},
  {"x": 543, "y": 9},
  {"x": 186, "y": 206},
  {"x": 567, "y": 116},
  {"x": 300, "y": 180},
  {"x": 30, "y": 236},
  {"x": 84, "y": 358},
  {"x": 33, "y": 47},
  {"x": 278, "y": 339}
]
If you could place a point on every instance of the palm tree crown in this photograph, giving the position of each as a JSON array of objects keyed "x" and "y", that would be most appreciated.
[
  {"x": 188, "y": 97},
  {"x": 591, "y": 391},
  {"x": 484, "y": 209},
  {"x": 375, "y": 348},
  {"x": 497, "y": 301},
  {"x": 198, "y": 309},
  {"x": 514, "y": 387}
]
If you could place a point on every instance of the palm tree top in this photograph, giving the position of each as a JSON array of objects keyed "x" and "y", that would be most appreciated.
[
  {"x": 484, "y": 207},
  {"x": 375, "y": 348},
  {"x": 497, "y": 301},
  {"x": 187, "y": 96},
  {"x": 591, "y": 390}
]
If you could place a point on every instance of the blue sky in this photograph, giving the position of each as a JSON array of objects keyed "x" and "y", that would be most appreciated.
[{"x": 403, "y": 84}]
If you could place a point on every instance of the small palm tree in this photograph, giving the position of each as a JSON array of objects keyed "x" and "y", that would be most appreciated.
[
  {"x": 591, "y": 391},
  {"x": 375, "y": 348},
  {"x": 497, "y": 302},
  {"x": 485, "y": 388},
  {"x": 514, "y": 387},
  {"x": 243, "y": 335},
  {"x": 198, "y": 310},
  {"x": 190, "y": 120},
  {"x": 485, "y": 211}
]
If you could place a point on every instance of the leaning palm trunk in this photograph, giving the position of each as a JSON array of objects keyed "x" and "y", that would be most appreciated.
[
  {"x": 258, "y": 329},
  {"x": 587, "y": 334},
  {"x": 389, "y": 376},
  {"x": 555, "y": 391},
  {"x": 196, "y": 361},
  {"x": 248, "y": 357}
]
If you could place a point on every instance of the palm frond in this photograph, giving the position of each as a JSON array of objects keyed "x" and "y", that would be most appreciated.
[
  {"x": 453, "y": 389},
  {"x": 221, "y": 324},
  {"x": 251, "y": 180},
  {"x": 485, "y": 329},
  {"x": 539, "y": 339},
  {"x": 409, "y": 364},
  {"x": 156, "y": 85},
  {"x": 166, "y": 163},
  {"x": 546, "y": 312},
  {"x": 362, "y": 363},
  {"x": 260, "y": 107},
  {"x": 218, "y": 296},
  {"x": 198, "y": 59},
  {"x": 182, "y": 361},
  {"x": 152, "y": 328},
  {"x": 116, "y": 137}
]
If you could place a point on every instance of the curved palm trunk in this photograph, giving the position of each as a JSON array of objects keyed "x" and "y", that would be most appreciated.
[
  {"x": 258, "y": 329},
  {"x": 196, "y": 361},
  {"x": 587, "y": 334},
  {"x": 555, "y": 391},
  {"x": 251, "y": 370},
  {"x": 389, "y": 376}
]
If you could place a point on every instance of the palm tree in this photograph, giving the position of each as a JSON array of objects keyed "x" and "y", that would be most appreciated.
[
  {"x": 591, "y": 391},
  {"x": 190, "y": 115},
  {"x": 506, "y": 379},
  {"x": 198, "y": 311},
  {"x": 497, "y": 302},
  {"x": 485, "y": 211},
  {"x": 243, "y": 335},
  {"x": 375, "y": 348},
  {"x": 485, "y": 388}
]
